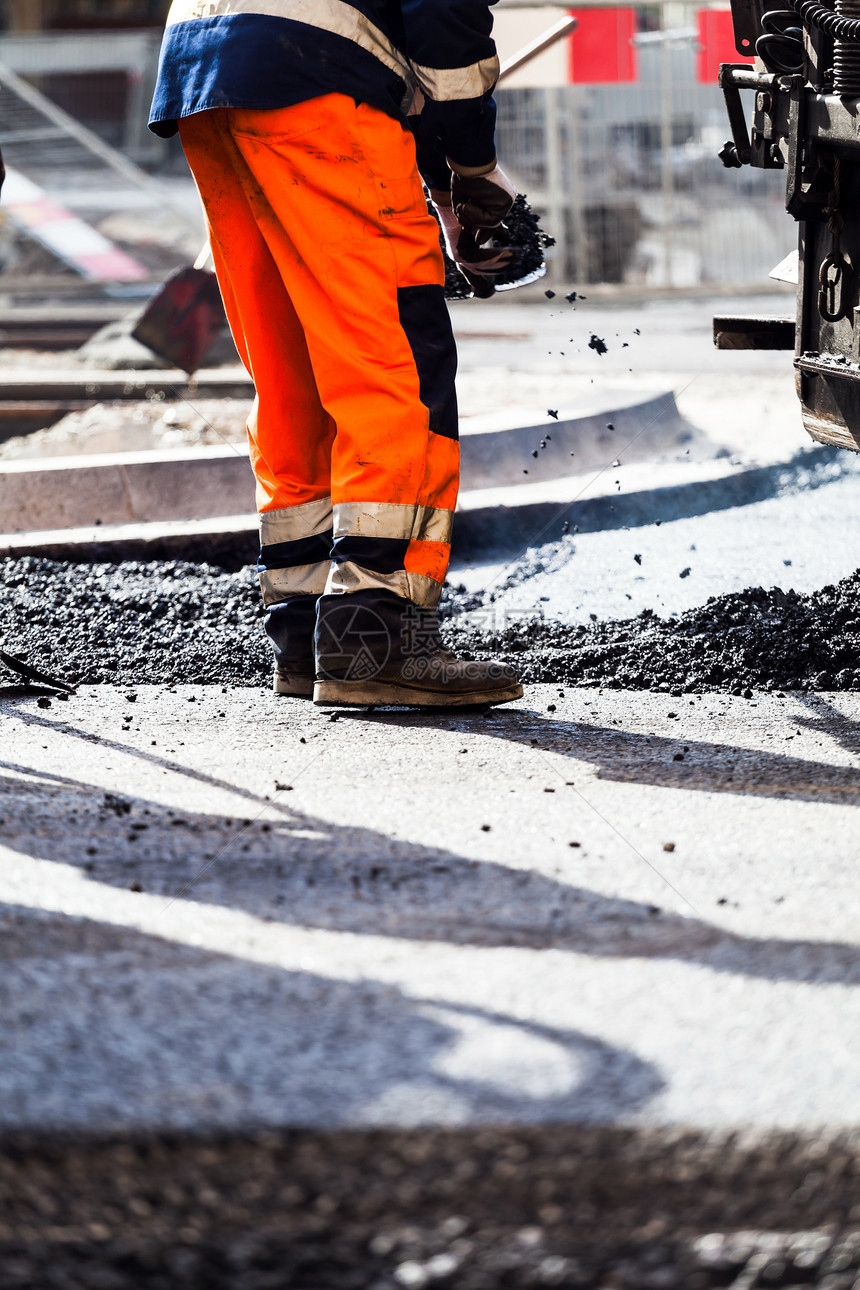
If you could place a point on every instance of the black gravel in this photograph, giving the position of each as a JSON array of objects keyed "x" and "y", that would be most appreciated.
[
  {"x": 175, "y": 622},
  {"x": 488, "y": 1208},
  {"x": 757, "y": 639},
  {"x": 165, "y": 621}
]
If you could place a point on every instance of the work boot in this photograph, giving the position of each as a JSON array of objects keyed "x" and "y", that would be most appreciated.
[
  {"x": 290, "y": 627},
  {"x": 372, "y": 648}
]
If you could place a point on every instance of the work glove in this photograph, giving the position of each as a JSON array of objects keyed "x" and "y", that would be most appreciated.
[
  {"x": 481, "y": 201},
  {"x": 475, "y": 205}
]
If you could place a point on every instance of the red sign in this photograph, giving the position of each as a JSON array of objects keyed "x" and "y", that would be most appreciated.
[
  {"x": 601, "y": 47},
  {"x": 716, "y": 44}
]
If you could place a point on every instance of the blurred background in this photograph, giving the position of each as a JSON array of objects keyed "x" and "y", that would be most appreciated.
[{"x": 613, "y": 134}]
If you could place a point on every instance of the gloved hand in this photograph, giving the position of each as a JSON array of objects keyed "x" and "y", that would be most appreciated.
[
  {"x": 463, "y": 246},
  {"x": 483, "y": 197},
  {"x": 481, "y": 201}
]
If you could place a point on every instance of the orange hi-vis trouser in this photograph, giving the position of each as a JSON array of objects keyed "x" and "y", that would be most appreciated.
[{"x": 332, "y": 278}]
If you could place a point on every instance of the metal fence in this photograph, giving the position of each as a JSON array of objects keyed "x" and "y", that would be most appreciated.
[
  {"x": 104, "y": 79},
  {"x": 628, "y": 180},
  {"x": 627, "y": 175}
]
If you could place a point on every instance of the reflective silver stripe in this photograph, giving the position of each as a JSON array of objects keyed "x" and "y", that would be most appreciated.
[
  {"x": 444, "y": 84},
  {"x": 294, "y": 522},
  {"x": 304, "y": 580},
  {"x": 416, "y": 587},
  {"x": 392, "y": 520},
  {"x": 327, "y": 15}
]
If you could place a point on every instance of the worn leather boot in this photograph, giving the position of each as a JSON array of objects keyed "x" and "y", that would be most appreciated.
[
  {"x": 374, "y": 648},
  {"x": 290, "y": 627}
]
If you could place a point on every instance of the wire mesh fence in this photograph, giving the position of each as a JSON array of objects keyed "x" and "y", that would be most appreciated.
[
  {"x": 626, "y": 175},
  {"x": 81, "y": 202},
  {"x": 629, "y": 182}
]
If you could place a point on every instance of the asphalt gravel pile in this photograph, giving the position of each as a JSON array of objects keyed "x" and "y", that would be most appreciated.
[
  {"x": 476, "y": 1209},
  {"x": 752, "y": 639},
  {"x": 178, "y": 623},
  {"x": 161, "y": 622}
]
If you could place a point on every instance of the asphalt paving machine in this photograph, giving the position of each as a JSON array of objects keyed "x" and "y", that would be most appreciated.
[{"x": 806, "y": 120}]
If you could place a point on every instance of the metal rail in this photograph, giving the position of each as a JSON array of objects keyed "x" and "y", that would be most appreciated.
[{"x": 68, "y": 127}]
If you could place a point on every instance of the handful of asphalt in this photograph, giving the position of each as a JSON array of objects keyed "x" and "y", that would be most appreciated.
[{"x": 170, "y": 622}]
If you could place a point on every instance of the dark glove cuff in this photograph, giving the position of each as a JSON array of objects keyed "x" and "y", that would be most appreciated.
[{"x": 465, "y": 129}]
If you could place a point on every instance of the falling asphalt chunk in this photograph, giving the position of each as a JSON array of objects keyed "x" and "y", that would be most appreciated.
[
  {"x": 598, "y": 345},
  {"x": 552, "y": 412},
  {"x": 638, "y": 558},
  {"x": 685, "y": 573}
]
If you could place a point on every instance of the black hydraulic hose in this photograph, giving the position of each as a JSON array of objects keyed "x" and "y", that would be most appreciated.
[
  {"x": 780, "y": 46},
  {"x": 834, "y": 24}
]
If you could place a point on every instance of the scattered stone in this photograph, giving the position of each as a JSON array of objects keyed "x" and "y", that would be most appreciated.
[{"x": 349, "y": 1210}]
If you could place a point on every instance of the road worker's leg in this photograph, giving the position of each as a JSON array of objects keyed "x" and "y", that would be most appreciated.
[
  {"x": 338, "y": 199},
  {"x": 290, "y": 432},
  {"x": 334, "y": 194}
]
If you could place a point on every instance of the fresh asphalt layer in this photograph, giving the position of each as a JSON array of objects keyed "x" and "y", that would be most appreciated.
[
  {"x": 223, "y": 909},
  {"x": 802, "y": 538}
]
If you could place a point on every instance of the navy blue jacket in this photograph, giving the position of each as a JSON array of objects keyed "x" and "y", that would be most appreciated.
[{"x": 274, "y": 53}]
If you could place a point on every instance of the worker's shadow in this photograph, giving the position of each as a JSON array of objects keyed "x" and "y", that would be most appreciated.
[
  {"x": 115, "y": 1026},
  {"x": 308, "y": 872},
  {"x": 680, "y": 763},
  {"x": 111, "y": 1023}
]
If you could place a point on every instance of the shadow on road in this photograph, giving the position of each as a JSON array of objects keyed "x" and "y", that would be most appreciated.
[
  {"x": 309, "y": 872},
  {"x": 114, "y": 1026},
  {"x": 629, "y": 757}
]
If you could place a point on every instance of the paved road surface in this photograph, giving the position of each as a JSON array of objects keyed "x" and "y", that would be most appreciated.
[{"x": 223, "y": 909}]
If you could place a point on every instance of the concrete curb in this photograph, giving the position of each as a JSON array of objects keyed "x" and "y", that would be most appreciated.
[
  {"x": 482, "y": 526},
  {"x": 229, "y": 541},
  {"x": 505, "y": 527},
  {"x": 492, "y": 455},
  {"x": 182, "y": 484}
]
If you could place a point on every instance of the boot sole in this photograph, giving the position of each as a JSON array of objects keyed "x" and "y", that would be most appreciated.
[
  {"x": 296, "y": 684},
  {"x": 360, "y": 694}
]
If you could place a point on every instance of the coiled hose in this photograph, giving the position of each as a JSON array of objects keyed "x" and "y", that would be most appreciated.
[
  {"x": 833, "y": 22},
  {"x": 780, "y": 46}
]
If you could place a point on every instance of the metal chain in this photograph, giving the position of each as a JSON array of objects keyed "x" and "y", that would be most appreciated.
[{"x": 835, "y": 268}]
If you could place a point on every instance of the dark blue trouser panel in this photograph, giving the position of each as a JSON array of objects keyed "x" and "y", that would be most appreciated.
[{"x": 425, "y": 320}]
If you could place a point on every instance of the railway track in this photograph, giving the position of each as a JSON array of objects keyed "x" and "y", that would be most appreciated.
[
  {"x": 55, "y": 328},
  {"x": 34, "y": 402}
]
